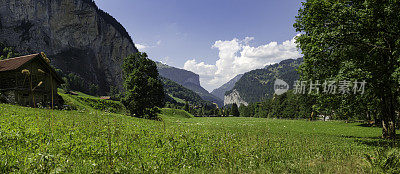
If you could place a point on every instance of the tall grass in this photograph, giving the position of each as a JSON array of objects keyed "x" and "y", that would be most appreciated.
[{"x": 99, "y": 142}]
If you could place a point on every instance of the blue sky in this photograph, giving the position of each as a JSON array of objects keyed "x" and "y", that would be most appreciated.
[{"x": 217, "y": 39}]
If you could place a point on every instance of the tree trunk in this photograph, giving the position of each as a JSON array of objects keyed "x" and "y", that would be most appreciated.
[
  {"x": 388, "y": 129},
  {"x": 388, "y": 117}
]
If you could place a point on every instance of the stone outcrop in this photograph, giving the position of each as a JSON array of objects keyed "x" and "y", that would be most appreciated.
[
  {"x": 76, "y": 35},
  {"x": 234, "y": 97}
]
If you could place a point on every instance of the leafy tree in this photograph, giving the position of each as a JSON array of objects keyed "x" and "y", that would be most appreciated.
[
  {"x": 235, "y": 110},
  {"x": 114, "y": 93},
  {"x": 144, "y": 91},
  {"x": 246, "y": 111},
  {"x": 362, "y": 35},
  {"x": 220, "y": 112},
  {"x": 203, "y": 111},
  {"x": 7, "y": 52},
  {"x": 186, "y": 107},
  {"x": 199, "y": 112},
  {"x": 226, "y": 112},
  {"x": 75, "y": 82},
  {"x": 66, "y": 86},
  {"x": 93, "y": 89}
]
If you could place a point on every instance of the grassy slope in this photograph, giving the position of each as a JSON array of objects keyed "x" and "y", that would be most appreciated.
[
  {"x": 37, "y": 140},
  {"x": 175, "y": 113},
  {"x": 86, "y": 102}
]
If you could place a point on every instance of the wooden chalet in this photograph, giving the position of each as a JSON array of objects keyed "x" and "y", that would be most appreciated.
[{"x": 29, "y": 80}]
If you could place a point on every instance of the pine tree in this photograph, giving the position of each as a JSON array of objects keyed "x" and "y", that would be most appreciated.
[{"x": 235, "y": 110}]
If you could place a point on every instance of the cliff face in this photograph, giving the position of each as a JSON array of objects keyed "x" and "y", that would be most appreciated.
[
  {"x": 75, "y": 35},
  {"x": 220, "y": 92},
  {"x": 234, "y": 97}
]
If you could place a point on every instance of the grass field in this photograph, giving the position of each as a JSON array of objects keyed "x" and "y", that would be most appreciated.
[{"x": 93, "y": 141}]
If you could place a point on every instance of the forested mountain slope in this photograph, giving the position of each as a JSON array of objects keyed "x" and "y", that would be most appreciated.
[
  {"x": 257, "y": 85},
  {"x": 188, "y": 80}
]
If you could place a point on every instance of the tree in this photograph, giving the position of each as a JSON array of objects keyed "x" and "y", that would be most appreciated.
[
  {"x": 186, "y": 107},
  {"x": 354, "y": 39},
  {"x": 220, "y": 112},
  {"x": 7, "y": 52},
  {"x": 66, "y": 86},
  {"x": 235, "y": 110},
  {"x": 226, "y": 112},
  {"x": 93, "y": 89},
  {"x": 144, "y": 92},
  {"x": 246, "y": 111}
]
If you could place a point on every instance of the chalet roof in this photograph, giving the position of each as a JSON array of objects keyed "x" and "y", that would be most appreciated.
[{"x": 15, "y": 63}]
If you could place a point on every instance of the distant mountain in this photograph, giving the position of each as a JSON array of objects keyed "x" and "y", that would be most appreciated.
[
  {"x": 177, "y": 94},
  {"x": 257, "y": 85},
  {"x": 220, "y": 92},
  {"x": 188, "y": 80}
]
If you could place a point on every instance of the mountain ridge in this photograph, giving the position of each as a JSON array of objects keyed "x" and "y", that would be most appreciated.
[
  {"x": 257, "y": 85},
  {"x": 188, "y": 80}
]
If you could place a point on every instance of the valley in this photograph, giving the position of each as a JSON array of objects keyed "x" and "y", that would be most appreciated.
[{"x": 199, "y": 86}]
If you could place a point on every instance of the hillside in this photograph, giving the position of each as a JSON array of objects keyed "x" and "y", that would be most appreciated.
[
  {"x": 220, "y": 92},
  {"x": 76, "y": 35},
  {"x": 180, "y": 94},
  {"x": 257, "y": 85},
  {"x": 188, "y": 80}
]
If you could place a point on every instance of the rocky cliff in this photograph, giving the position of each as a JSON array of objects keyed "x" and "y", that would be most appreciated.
[
  {"x": 234, "y": 97},
  {"x": 76, "y": 35},
  {"x": 220, "y": 92}
]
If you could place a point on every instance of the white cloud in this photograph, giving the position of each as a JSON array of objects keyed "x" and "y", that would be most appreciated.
[
  {"x": 247, "y": 40},
  {"x": 141, "y": 47},
  {"x": 237, "y": 57}
]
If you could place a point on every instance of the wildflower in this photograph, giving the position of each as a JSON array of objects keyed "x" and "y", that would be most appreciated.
[
  {"x": 26, "y": 72},
  {"x": 45, "y": 57},
  {"x": 41, "y": 71}
]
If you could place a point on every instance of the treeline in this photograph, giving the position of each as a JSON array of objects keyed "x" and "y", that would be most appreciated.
[
  {"x": 77, "y": 83},
  {"x": 304, "y": 106},
  {"x": 287, "y": 105},
  {"x": 210, "y": 110}
]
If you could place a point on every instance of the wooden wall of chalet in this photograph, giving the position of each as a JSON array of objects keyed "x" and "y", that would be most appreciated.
[{"x": 19, "y": 83}]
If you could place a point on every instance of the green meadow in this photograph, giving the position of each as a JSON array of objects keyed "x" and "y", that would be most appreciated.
[{"x": 89, "y": 140}]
